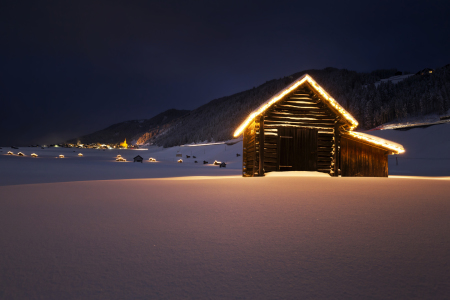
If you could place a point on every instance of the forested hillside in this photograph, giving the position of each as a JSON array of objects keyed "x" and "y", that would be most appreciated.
[
  {"x": 140, "y": 131},
  {"x": 371, "y": 105}
]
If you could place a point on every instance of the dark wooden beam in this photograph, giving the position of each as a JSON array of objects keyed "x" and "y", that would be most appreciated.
[
  {"x": 338, "y": 142},
  {"x": 261, "y": 146}
]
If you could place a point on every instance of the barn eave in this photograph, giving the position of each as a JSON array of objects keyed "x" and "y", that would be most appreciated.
[{"x": 389, "y": 146}]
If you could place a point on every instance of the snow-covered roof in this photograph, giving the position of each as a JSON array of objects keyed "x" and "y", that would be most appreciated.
[
  {"x": 294, "y": 85},
  {"x": 395, "y": 147}
]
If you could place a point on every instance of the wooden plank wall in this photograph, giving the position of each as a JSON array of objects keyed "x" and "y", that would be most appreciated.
[
  {"x": 360, "y": 159},
  {"x": 249, "y": 151},
  {"x": 302, "y": 108},
  {"x": 257, "y": 147}
]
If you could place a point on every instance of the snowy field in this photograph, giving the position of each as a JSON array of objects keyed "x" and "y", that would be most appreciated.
[
  {"x": 101, "y": 164},
  {"x": 93, "y": 228},
  {"x": 226, "y": 238},
  {"x": 427, "y": 154},
  {"x": 427, "y": 150}
]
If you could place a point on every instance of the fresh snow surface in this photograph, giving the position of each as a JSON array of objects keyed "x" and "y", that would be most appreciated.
[
  {"x": 427, "y": 150},
  {"x": 93, "y": 228},
  {"x": 235, "y": 238},
  {"x": 297, "y": 174}
]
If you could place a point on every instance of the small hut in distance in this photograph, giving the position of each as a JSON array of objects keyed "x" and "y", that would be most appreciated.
[
  {"x": 302, "y": 128},
  {"x": 138, "y": 159}
]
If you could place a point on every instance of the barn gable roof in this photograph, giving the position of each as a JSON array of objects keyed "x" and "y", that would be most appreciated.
[
  {"x": 330, "y": 102},
  {"x": 305, "y": 79}
]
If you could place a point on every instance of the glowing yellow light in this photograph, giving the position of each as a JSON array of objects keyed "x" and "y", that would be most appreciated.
[
  {"x": 80, "y": 154},
  {"x": 34, "y": 155},
  {"x": 180, "y": 160},
  {"x": 378, "y": 141},
  {"x": 292, "y": 87},
  {"x": 152, "y": 159},
  {"x": 61, "y": 156},
  {"x": 10, "y": 153},
  {"x": 120, "y": 158},
  {"x": 124, "y": 144},
  {"x": 20, "y": 154}
]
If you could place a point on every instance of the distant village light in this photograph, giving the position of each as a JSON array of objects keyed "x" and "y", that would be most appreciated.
[
  {"x": 34, "y": 155},
  {"x": 124, "y": 144}
]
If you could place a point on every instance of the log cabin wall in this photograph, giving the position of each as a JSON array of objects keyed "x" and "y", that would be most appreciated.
[
  {"x": 302, "y": 109},
  {"x": 361, "y": 159},
  {"x": 249, "y": 151}
]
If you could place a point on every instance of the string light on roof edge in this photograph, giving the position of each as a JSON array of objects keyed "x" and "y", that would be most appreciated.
[
  {"x": 378, "y": 141},
  {"x": 333, "y": 102},
  {"x": 276, "y": 98}
]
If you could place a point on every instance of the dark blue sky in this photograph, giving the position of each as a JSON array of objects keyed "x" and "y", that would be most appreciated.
[{"x": 72, "y": 67}]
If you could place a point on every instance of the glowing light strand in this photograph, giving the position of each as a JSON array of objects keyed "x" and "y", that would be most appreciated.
[
  {"x": 378, "y": 141},
  {"x": 292, "y": 87}
]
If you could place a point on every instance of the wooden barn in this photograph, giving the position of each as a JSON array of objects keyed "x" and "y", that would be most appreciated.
[
  {"x": 302, "y": 128},
  {"x": 138, "y": 159}
]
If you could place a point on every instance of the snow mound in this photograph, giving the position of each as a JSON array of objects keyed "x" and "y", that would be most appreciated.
[{"x": 297, "y": 174}]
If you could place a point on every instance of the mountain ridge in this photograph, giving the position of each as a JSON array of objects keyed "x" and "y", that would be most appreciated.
[
  {"x": 371, "y": 101},
  {"x": 139, "y": 131}
]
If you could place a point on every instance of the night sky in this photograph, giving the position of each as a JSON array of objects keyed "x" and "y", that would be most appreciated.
[{"x": 73, "y": 67}]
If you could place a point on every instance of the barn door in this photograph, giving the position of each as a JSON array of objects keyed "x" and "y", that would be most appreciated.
[
  {"x": 285, "y": 153},
  {"x": 297, "y": 149}
]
